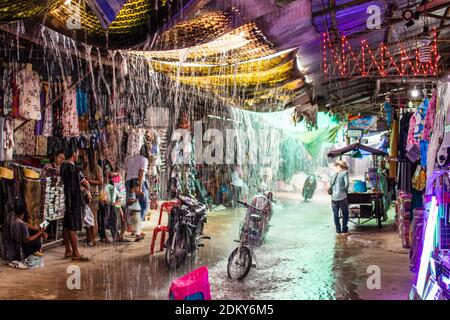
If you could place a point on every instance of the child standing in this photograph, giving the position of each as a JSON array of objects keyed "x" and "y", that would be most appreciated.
[{"x": 134, "y": 210}]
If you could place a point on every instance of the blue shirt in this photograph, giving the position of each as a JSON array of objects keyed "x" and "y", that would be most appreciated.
[{"x": 340, "y": 186}]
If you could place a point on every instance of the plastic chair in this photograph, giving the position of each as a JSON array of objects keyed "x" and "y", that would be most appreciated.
[
  {"x": 192, "y": 286},
  {"x": 165, "y": 206}
]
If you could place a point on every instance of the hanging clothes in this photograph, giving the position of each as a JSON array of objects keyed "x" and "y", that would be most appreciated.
[
  {"x": 8, "y": 140},
  {"x": 24, "y": 139},
  {"x": 57, "y": 118},
  {"x": 135, "y": 142},
  {"x": 6, "y": 214},
  {"x": 40, "y": 123},
  {"x": 403, "y": 135},
  {"x": 32, "y": 197},
  {"x": 15, "y": 113},
  {"x": 418, "y": 124},
  {"x": 388, "y": 109},
  {"x": 110, "y": 142},
  {"x": 2, "y": 139},
  {"x": 437, "y": 133},
  {"x": 7, "y": 91},
  {"x": 429, "y": 117},
  {"x": 404, "y": 176},
  {"x": 82, "y": 102},
  {"x": 393, "y": 149},
  {"x": 41, "y": 146},
  {"x": 47, "y": 127},
  {"x": 70, "y": 126},
  {"x": 28, "y": 84}
]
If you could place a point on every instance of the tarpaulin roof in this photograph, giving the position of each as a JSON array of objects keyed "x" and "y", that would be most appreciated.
[
  {"x": 244, "y": 53},
  {"x": 355, "y": 146}
]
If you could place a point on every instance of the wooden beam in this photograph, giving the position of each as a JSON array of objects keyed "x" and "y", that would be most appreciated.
[
  {"x": 352, "y": 86},
  {"x": 436, "y": 16},
  {"x": 33, "y": 40},
  {"x": 433, "y": 6}
]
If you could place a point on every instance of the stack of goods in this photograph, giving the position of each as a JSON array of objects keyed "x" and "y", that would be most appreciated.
[
  {"x": 416, "y": 240},
  {"x": 52, "y": 204},
  {"x": 153, "y": 192},
  {"x": 163, "y": 147},
  {"x": 403, "y": 203}
]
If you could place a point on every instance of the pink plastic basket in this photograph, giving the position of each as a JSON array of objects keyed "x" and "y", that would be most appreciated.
[{"x": 192, "y": 286}]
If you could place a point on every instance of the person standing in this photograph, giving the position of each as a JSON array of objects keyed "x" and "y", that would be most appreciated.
[
  {"x": 338, "y": 190},
  {"x": 94, "y": 175},
  {"x": 110, "y": 176},
  {"x": 136, "y": 169},
  {"x": 134, "y": 210},
  {"x": 53, "y": 169},
  {"x": 73, "y": 182}
]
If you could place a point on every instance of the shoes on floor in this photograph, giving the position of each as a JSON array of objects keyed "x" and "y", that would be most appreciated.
[
  {"x": 18, "y": 265},
  {"x": 38, "y": 254}
]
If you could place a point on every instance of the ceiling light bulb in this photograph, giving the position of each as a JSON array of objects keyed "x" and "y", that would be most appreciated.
[{"x": 415, "y": 93}]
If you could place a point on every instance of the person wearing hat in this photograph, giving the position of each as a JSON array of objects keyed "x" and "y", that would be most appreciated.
[{"x": 338, "y": 191}]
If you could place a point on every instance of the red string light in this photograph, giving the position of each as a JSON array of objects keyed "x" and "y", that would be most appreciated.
[{"x": 383, "y": 62}]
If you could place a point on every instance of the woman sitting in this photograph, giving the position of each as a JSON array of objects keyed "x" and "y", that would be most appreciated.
[{"x": 20, "y": 234}]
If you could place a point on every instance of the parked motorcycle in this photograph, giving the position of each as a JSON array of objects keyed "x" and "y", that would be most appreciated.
[
  {"x": 186, "y": 224},
  {"x": 252, "y": 234},
  {"x": 309, "y": 187}
]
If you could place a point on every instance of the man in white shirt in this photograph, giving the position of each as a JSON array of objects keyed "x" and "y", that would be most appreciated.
[
  {"x": 136, "y": 169},
  {"x": 136, "y": 166},
  {"x": 239, "y": 186}
]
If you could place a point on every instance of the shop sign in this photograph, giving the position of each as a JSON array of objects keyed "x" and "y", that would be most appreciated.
[
  {"x": 368, "y": 123},
  {"x": 354, "y": 133}
]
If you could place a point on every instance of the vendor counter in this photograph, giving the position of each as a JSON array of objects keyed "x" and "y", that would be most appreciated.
[{"x": 371, "y": 206}]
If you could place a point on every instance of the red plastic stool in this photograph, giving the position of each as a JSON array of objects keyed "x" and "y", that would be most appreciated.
[
  {"x": 192, "y": 286},
  {"x": 165, "y": 206}
]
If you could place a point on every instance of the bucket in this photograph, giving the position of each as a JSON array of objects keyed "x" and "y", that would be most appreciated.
[
  {"x": 192, "y": 286},
  {"x": 359, "y": 186}
]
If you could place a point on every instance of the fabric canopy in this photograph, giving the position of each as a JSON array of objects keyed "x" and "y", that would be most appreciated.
[{"x": 355, "y": 146}]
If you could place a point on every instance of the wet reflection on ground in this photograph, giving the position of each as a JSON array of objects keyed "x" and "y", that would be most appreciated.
[{"x": 301, "y": 259}]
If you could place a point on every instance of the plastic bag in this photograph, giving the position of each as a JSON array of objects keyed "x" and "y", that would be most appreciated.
[{"x": 88, "y": 220}]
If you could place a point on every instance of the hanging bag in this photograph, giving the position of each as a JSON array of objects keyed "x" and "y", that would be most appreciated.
[
  {"x": 330, "y": 189},
  {"x": 88, "y": 220}
]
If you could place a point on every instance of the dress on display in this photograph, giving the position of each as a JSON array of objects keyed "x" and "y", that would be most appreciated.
[{"x": 28, "y": 84}]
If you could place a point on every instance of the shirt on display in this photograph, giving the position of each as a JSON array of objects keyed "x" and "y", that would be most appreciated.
[
  {"x": 134, "y": 164},
  {"x": 8, "y": 140},
  {"x": 28, "y": 84},
  {"x": 7, "y": 91},
  {"x": 69, "y": 114},
  {"x": 24, "y": 138}
]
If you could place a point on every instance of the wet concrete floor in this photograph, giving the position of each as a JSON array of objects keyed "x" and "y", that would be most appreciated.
[{"x": 301, "y": 259}]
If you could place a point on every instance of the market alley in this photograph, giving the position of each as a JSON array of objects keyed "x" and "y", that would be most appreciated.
[{"x": 301, "y": 259}]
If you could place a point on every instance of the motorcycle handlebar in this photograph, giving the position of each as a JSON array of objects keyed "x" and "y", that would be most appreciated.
[
  {"x": 265, "y": 192},
  {"x": 245, "y": 204}
]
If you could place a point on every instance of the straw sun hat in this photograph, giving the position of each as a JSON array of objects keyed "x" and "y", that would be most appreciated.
[{"x": 342, "y": 164}]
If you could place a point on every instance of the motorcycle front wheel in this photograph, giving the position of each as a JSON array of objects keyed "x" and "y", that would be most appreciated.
[
  {"x": 239, "y": 263},
  {"x": 177, "y": 256}
]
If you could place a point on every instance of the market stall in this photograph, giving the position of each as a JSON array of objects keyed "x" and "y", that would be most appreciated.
[{"x": 369, "y": 202}]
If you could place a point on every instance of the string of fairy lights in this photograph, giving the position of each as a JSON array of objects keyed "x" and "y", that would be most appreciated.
[{"x": 339, "y": 59}]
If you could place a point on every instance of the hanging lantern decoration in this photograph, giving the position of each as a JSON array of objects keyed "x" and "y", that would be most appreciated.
[{"x": 425, "y": 46}]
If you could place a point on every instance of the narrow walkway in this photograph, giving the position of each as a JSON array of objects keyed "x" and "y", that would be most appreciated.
[{"x": 302, "y": 259}]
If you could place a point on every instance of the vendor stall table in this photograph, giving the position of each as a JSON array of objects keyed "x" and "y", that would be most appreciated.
[{"x": 375, "y": 199}]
